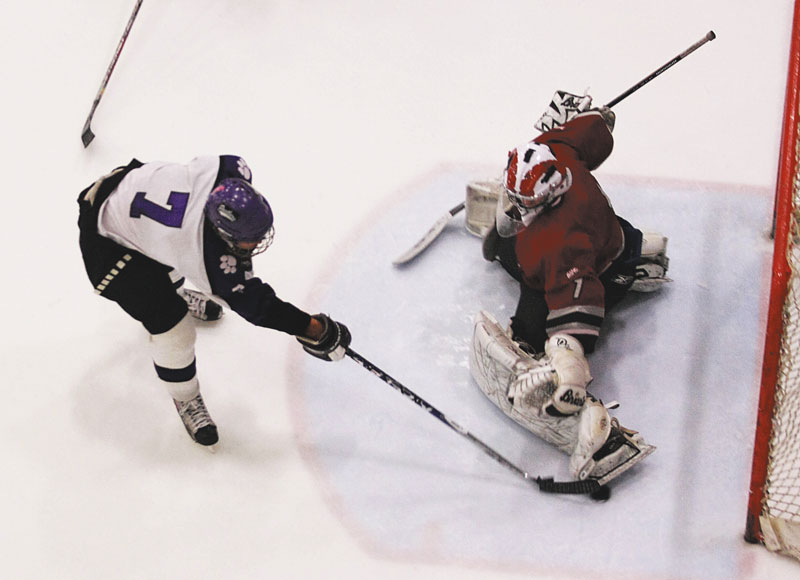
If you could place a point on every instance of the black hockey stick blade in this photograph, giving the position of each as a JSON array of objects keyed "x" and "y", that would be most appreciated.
[
  {"x": 547, "y": 485},
  {"x": 429, "y": 236},
  {"x": 86, "y": 135}
]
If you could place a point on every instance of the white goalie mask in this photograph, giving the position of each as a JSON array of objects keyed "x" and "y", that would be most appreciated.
[{"x": 535, "y": 179}]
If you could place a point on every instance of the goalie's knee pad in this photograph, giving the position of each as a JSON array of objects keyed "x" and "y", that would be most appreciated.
[{"x": 651, "y": 272}]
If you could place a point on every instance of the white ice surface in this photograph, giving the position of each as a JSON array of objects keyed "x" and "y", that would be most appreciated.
[{"x": 362, "y": 122}]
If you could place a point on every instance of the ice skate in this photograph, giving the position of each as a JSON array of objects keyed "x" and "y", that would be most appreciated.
[
  {"x": 622, "y": 450},
  {"x": 198, "y": 422},
  {"x": 651, "y": 274},
  {"x": 201, "y": 306}
]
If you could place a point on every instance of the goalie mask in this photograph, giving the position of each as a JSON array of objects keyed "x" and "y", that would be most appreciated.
[
  {"x": 535, "y": 179},
  {"x": 241, "y": 217}
]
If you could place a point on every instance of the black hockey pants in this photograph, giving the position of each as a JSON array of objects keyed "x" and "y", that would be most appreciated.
[{"x": 140, "y": 285}]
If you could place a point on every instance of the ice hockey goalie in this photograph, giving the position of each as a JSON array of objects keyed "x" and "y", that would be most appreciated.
[{"x": 547, "y": 395}]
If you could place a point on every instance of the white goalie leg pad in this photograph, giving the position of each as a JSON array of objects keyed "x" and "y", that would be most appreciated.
[
  {"x": 173, "y": 350},
  {"x": 599, "y": 448},
  {"x": 651, "y": 274},
  {"x": 499, "y": 366}
]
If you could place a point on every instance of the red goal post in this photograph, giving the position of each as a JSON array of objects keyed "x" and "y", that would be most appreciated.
[{"x": 773, "y": 515}]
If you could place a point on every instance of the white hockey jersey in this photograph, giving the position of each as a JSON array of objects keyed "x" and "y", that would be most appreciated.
[{"x": 158, "y": 210}]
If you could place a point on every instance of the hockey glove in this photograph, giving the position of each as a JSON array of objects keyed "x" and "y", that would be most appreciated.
[
  {"x": 331, "y": 344},
  {"x": 609, "y": 116},
  {"x": 562, "y": 374},
  {"x": 564, "y": 107},
  {"x": 566, "y": 355}
]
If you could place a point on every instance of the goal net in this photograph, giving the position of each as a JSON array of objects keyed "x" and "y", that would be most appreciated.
[{"x": 774, "y": 506}]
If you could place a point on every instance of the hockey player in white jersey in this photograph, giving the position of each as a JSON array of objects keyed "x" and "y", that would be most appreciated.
[{"x": 147, "y": 227}]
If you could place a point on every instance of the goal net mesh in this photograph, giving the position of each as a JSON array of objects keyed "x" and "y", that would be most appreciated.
[
  {"x": 774, "y": 507},
  {"x": 780, "y": 518}
]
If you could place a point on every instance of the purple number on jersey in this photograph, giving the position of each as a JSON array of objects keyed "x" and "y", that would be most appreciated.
[{"x": 172, "y": 217}]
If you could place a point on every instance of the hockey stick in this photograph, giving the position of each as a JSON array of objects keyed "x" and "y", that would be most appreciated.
[
  {"x": 86, "y": 135},
  {"x": 708, "y": 37},
  {"x": 428, "y": 238},
  {"x": 586, "y": 486}
]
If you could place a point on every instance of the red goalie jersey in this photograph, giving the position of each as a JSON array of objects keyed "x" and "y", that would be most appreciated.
[{"x": 575, "y": 235}]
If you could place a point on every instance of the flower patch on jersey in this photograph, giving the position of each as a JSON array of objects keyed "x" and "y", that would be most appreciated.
[
  {"x": 227, "y": 264},
  {"x": 244, "y": 170}
]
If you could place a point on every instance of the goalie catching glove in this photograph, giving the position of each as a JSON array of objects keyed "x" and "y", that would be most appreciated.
[
  {"x": 563, "y": 371},
  {"x": 332, "y": 343},
  {"x": 566, "y": 106}
]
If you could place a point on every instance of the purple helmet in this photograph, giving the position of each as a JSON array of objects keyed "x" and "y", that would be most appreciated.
[{"x": 240, "y": 214}]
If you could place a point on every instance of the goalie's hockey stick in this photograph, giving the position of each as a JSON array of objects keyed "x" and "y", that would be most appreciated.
[
  {"x": 708, "y": 37},
  {"x": 586, "y": 486},
  {"x": 428, "y": 238},
  {"x": 87, "y": 135}
]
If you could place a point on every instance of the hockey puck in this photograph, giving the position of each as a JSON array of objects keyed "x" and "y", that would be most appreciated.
[{"x": 602, "y": 493}]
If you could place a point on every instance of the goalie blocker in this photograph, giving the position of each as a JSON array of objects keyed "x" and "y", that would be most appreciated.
[{"x": 547, "y": 396}]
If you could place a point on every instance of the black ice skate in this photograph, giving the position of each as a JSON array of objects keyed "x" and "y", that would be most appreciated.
[
  {"x": 201, "y": 306},
  {"x": 198, "y": 422}
]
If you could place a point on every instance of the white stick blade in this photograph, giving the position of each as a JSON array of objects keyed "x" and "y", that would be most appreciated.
[{"x": 424, "y": 242}]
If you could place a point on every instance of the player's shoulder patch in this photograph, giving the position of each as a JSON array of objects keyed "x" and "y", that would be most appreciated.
[
  {"x": 243, "y": 169},
  {"x": 231, "y": 166},
  {"x": 228, "y": 264}
]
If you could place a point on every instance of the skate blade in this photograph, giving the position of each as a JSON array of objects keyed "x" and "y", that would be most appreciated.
[
  {"x": 645, "y": 286},
  {"x": 644, "y": 451}
]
